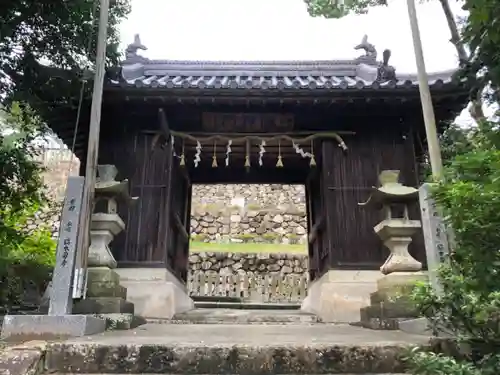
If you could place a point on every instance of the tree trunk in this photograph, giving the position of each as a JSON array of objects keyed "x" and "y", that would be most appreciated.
[
  {"x": 476, "y": 108},
  {"x": 455, "y": 35}
]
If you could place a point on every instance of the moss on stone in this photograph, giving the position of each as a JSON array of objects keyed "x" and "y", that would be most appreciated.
[{"x": 92, "y": 358}]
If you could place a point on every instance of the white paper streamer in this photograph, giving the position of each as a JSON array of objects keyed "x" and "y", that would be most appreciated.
[
  {"x": 301, "y": 152},
  {"x": 228, "y": 151},
  {"x": 262, "y": 151},
  {"x": 197, "y": 157},
  {"x": 172, "y": 140}
]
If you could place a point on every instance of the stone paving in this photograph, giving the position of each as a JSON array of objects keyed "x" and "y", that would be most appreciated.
[
  {"x": 235, "y": 349},
  {"x": 259, "y": 335}
]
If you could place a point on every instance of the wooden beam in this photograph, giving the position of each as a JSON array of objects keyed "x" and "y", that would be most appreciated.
[
  {"x": 289, "y": 174},
  {"x": 315, "y": 230},
  {"x": 185, "y": 174},
  {"x": 181, "y": 228},
  {"x": 312, "y": 175},
  {"x": 165, "y": 129}
]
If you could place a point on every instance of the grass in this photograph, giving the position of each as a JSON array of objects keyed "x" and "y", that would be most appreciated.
[{"x": 247, "y": 247}]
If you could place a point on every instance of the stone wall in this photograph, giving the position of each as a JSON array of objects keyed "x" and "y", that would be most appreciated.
[
  {"x": 248, "y": 263},
  {"x": 48, "y": 218},
  {"x": 263, "y": 226},
  {"x": 263, "y": 195},
  {"x": 58, "y": 164},
  {"x": 249, "y": 213}
]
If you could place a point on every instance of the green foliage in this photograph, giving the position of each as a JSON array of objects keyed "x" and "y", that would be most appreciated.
[
  {"x": 24, "y": 265},
  {"x": 469, "y": 301},
  {"x": 270, "y": 237},
  {"x": 253, "y": 207},
  {"x": 200, "y": 237},
  {"x": 483, "y": 37},
  {"x": 26, "y": 258},
  {"x": 247, "y": 237},
  {"x": 59, "y": 32},
  {"x": 20, "y": 180},
  {"x": 293, "y": 238},
  {"x": 338, "y": 8},
  {"x": 426, "y": 363}
]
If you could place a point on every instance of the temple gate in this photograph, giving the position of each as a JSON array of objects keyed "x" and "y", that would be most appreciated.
[{"x": 330, "y": 125}]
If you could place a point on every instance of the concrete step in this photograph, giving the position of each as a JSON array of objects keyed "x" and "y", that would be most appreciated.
[
  {"x": 237, "y": 316},
  {"x": 234, "y": 349}
]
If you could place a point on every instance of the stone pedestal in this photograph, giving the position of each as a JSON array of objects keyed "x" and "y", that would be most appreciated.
[
  {"x": 338, "y": 295},
  {"x": 105, "y": 295},
  {"x": 155, "y": 292},
  {"x": 391, "y": 304},
  {"x": 397, "y": 236}
]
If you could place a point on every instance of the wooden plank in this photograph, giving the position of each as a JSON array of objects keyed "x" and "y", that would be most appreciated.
[
  {"x": 180, "y": 227},
  {"x": 317, "y": 227},
  {"x": 247, "y": 122},
  {"x": 246, "y": 284},
  {"x": 164, "y": 127},
  {"x": 273, "y": 286},
  {"x": 222, "y": 285},
  {"x": 168, "y": 202},
  {"x": 289, "y": 288},
  {"x": 281, "y": 288},
  {"x": 302, "y": 288},
  {"x": 237, "y": 285}
]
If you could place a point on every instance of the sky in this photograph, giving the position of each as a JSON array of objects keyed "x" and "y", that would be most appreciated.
[{"x": 283, "y": 30}]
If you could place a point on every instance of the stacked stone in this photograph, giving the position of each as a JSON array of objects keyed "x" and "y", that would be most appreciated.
[
  {"x": 265, "y": 195},
  {"x": 251, "y": 226},
  {"x": 251, "y": 264},
  {"x": 48, "y": 217}
]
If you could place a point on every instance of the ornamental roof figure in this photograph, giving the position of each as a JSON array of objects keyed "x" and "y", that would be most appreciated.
[
  {"x": 132, "y": 48},
  {"x": 370, "y": 51},
  {"x": 361, "y": 73}
]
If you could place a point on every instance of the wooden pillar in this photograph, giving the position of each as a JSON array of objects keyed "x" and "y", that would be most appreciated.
[{"x": 329, "y": 214}]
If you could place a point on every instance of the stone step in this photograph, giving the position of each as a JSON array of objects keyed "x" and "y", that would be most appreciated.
[
  {"x": 234, "y": 349},
  {"x": 216, "y": 299},
  {"x": 239, "y": 316},
  {"x": 246, "y": 305}
]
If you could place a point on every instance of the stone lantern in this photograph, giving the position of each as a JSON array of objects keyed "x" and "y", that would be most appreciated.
[
  {"x": 396, "y": 228},
  {"x": 389, "y": 304},
  {"x": 105, "y": 296},
  {"x": 106, "y": 223}
]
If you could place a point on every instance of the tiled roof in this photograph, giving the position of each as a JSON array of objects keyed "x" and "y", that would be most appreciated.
[{"x": 359, "y": 73}]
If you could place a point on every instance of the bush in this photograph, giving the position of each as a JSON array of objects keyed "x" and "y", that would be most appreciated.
[
  {"x": 247, "y": 237},
  {"x": 25, "y": 265},
  {"x": 294, "y": 238},
  {"x": 200, "y": 237},
  {"x": 469, "y": 304},
  {"x": 270, "y": 237},
  {"x": 253, "y": 207},
  {"x": 26, "y": 258}
]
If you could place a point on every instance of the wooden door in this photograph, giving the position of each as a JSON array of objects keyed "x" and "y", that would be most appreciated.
[{"x": 177, "y": 211}]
